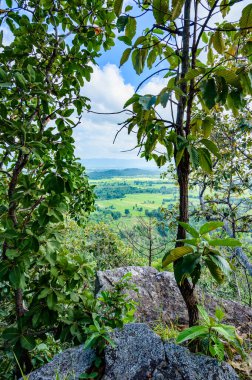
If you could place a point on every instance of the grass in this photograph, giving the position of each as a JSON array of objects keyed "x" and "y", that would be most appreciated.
[{"x": 133, "y": 202}]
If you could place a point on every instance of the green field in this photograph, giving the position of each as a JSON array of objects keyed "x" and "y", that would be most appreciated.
[{"x": 140, "y": 197}]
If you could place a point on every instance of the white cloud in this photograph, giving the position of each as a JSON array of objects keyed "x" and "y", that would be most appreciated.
[
  {"x": 94, "y": 137},
  {"x": 108, "y": 92},
  {"x": 154, "y": 86}
]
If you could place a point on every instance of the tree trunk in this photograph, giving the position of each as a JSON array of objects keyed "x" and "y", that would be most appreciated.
[
  {"x": 183, "y": 169},
  {"x": 186, "y": 289}
]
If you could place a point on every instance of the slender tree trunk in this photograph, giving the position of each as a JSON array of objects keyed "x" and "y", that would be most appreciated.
[
  {"x": 183, "y": 169},
  {"x": 24, "y": 357}
]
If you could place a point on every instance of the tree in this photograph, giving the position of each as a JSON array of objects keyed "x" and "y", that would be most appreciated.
[
  {"x": 106, "y": 249},
  {"x": 43, "y": 70},
  {"x": 209, "y": 66},
  {"x": 143, "y": 238}
]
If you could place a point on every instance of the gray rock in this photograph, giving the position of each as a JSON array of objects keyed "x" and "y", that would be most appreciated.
[
  {"x": 141, "y": 355},
  {"x": 69, "y": 365},
  {"x": 138, "y": 352},
  {"x": 159, "y": 298},
  {"x": 182, "y": 364}
]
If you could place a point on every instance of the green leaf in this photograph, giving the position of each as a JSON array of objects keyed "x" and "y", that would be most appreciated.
[
  {"x": 89, "y": 343},
  {"x": 152, "y": 57},
  {"x": 160, "y": 10},
  {"x": 246, "y": 18},
  {"x": 9, "y": 3},
  {"x": 28, "y": 342},
  {"x": 186, "y": 266},
  {"x": 138, "y": 58},
  {"x": 222, "y": 89},
  {"x": 203, "y": 314},
  {"x": 229, "y": 75},
  {"x": 216, "y": 348},
  {"x": 194, "y": 157},
  {"x": 179, "y": 156},
  {"x": 228, "y": 332},
  {"x": 20, "y": 80},
  {"x": 195, "y": 275},
  {"x": 16, "y": 278},
  {"x": 164, "y": 97},
  {"x": 219, "y": 314},
  {"x": 53, "y": 182},
  {"x": 126, "y": 40},
  {"x": 210, "y": 56},
  {"x": 3, "y": 75},
  {"x": 193, "y": 73},
  {"x": 130, "y": 29},
  {"x": 121, "y": 23},
  {"x": 210, "y": 226},
  {"x": 177, "y": 6},
  {"x": 215, "y": 271},
  {"x": 228, "y": 242},
  {"x": 11, "y": 334},
  {"x": 4, "y": 268},
  {"x": 32, "y": 73},
  {"x": 44, "y": 293},
  {"x": 209, "y": 93},
  {"x": 205, "y": 160},
  {"x": 189, "y": 229},
  {"x": 210, "y": 145},
  {"x": 175, "y": 254},
  {"x": 51, "y": 301},
  {"x": 125, "y": 56},
  {"x": 218, "y": 42},
  {"x": 222, "y": 263},
  {"x": 128, "y": 8},
  {"x": 118, "y": 4},
  {"x": 207, "y": 126},
  {"x": 204, "y": 37},
  {"x": 192, "y": 333}
]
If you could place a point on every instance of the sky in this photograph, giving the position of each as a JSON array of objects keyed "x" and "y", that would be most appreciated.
[{"x": 108, "y": 90}]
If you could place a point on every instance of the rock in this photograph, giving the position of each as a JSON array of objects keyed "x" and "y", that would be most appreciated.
[
  {"x": 69, "y": 365},
  {"x": 140, "y": 355},
  {"x": 159, "y": 298}
]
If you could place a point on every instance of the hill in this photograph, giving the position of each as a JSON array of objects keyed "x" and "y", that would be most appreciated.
[{"x": 131, "y": 172}]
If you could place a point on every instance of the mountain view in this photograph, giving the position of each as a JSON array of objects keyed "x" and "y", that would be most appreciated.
[{"x": 125, "y": 190}]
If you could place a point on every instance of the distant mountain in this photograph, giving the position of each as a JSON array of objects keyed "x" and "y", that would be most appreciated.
[
  {"x": 132, "y": 172},
  {"x": 94, "y": 164}
]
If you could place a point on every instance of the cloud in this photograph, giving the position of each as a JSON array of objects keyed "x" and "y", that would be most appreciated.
[
  {"x": 94, "y": 137},
  {"x": 108, "y": 92}
]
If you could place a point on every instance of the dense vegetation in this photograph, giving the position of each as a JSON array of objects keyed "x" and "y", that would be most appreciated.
[{"x": 52, "y": 239}]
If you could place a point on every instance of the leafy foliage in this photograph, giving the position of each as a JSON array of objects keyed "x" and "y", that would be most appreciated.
[
  {"x": 214, "y": 338},
  {"x": 114, "y": 308},
  {"x": 201, "y": 250},
  {"x": 42, "y": 72}
]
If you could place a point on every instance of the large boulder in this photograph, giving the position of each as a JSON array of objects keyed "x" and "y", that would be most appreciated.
[
  {"x": 141, "y": 355},
  {"x": 159, "y": 298},
  {"x": 68, "y": 365}
]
